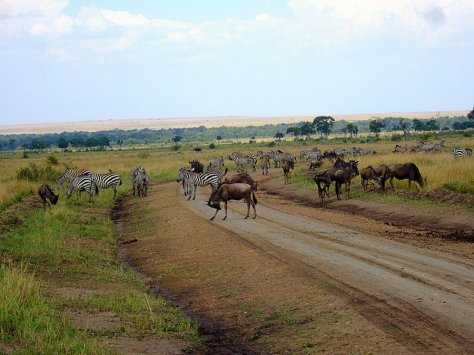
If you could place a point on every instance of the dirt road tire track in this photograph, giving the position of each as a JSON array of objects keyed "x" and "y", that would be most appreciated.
[{"x": 417, "y": 328}]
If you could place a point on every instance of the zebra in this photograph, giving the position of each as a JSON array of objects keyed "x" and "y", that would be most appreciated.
[
  {"x": 70, "y": 175},
  {"x": 83, "y": 183},
  {"x": 277, "y": 158},
  {"x": 461, "y": 152},
  {"x": 199, "y": 179},
  {"x": 216, "y": 164},
  {"x": 245, "y": 160},
  {"x": 140, "y": 181},
  {"x": 104, "y": 181}
]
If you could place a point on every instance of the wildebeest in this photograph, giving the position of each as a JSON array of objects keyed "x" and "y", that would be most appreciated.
[
  {"x": 323, "y": 181},
  {"x": 237, "y": 191},
  {"x": 344, "y": 176},
  {"x": 197, "y": 166},
  {"x": 367, "y": 174},
  {"x": 243, "y": 178},
  {"x": 402, "y": 172},
  {"x": 47, "y": 195},
  {"x": 288, "y": 165}
]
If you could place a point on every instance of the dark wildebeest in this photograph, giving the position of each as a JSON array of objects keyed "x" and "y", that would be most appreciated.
[
  {"x": 197, "y": 166},
  {"x": 323, "y": 181},
  {"x": 288, "y": 165},
  {"x": 344, "y": 176},
  {"x": 237, "y": 191},
  {"x": 367, "y": 174},
  {"x": 47, "y": 195},
  {"x": 402, "y": 172},
  {"x": 242, "y": 178}
]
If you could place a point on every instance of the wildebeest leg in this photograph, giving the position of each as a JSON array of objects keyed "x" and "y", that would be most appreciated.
[
  {"x": 248, "y": 199},
  {"x": 391, "y": 183},
  {"x": 212, "y": 218},
  {"x": 225, "y": 206},
  {"x": 348, "y": 189}
]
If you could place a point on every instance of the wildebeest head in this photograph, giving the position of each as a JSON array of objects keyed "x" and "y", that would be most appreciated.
[{"x": 214, "y": 200}]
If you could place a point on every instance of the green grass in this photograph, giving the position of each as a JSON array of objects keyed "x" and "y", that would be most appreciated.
[
  {"x": 30, "y": 324},
  {"x": 74, "y": 245}
]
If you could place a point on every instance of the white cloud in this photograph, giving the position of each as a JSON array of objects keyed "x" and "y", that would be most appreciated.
[{"x": 124, "y": 18}]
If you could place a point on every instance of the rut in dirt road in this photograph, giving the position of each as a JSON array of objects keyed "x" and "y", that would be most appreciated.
[{"x": 423, "y": 298}]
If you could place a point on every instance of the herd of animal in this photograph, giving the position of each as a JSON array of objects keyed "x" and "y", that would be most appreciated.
[
  {"x": 90, "y": 182},
  {"x": 242, "y": 186}
]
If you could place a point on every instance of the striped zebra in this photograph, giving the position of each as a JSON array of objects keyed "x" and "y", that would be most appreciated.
[
  {"x": 140, "y": 181},
  {"x": 104, "y": 181},
  {"x": 70, "y": 175},
  {"x": 241, "y": 162},
  {"x": 193, "y": 180},
  {"x": 83, "y": 183},
  {"x": 216, "y": 164},
  {"x": 461, "y": 152},
  {"x": 265, "y": 163},
  {"x": 277, "y": 158}
]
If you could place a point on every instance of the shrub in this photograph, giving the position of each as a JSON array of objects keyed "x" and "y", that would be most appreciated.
[
  {"x": 35, "y": 173},
  {"x": 459, "y": 187},
  {"x": 175, "y": 148},
  {"x": 52, "y": 160},
  {"x": 467, "y": 134},
  {"x": 396, "y": 137},
  {"x": 271, "y": 144},
  {"x": 212, "y": 146}
]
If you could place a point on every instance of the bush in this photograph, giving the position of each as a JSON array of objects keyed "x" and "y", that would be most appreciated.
[
  {"x": 396, "y": 137},
  {"x": 52, "y": 160},
  {"x": 35, "y": 173},
  {"x": 458, "y": 187},
  {"x": 212, "y": 146},
  {"x": 467, "y": 134},
  {"x": 271, "y": 144},
  {"x": 175, "y": 148}
]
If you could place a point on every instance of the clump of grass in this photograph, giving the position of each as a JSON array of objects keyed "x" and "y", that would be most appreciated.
[
  {"x": 459, "y": 187},
  {"x": 36, "y": 173}
]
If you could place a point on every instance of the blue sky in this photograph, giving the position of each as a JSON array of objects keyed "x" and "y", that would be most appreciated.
[{"x": 88, "y": 60}]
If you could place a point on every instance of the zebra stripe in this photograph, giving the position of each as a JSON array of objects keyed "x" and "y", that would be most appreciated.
[
  {"x": 83, "y": 183},
  {"x": 140, "y": 181},
  {"x": 461, "y": 152},
  {"x": 245, "y": 160},
  {"x": 104, "y": 181},
  {"x": 70, "y": 175},
  {"x": 198, "y": 179}
]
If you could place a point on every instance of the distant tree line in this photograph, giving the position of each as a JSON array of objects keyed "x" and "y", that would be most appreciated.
[{"x": 321, "y": 125}]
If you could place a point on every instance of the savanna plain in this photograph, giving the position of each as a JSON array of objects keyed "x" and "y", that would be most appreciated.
[{"x": 381, "y": 272}]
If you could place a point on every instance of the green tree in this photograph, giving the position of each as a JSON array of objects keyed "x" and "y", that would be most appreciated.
[
  {"x": 295, "y": 130},
  {"x": 375, "y": 127},
  {"x": 307, "y": 129},
  {"x": 176, "y": 139},
  {"x": 404, "y": 126},
  {"x": 418, "y": 125},
  {"x": 324, "y": 124},
  {"x": 63, "y": 143},
  {"x": 91, "y": 142},
  {"x": 279, "y": 136},
  {"x": 219, "y": 138},
  {"x": 12, "y": 143},
  {"x": 431, "y": 125},
  {"x": 103, "y": 142},
  {"x": 352, "y": 129}
]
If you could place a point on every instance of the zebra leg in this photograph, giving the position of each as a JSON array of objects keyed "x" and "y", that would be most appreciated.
[{"x": 115, "y": 191}]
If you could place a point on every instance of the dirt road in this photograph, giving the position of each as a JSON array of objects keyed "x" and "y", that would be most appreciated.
[{"x": 422, "y": 299}]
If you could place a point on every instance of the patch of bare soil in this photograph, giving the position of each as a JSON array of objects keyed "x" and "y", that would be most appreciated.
[{"x": 260, "y": 298}]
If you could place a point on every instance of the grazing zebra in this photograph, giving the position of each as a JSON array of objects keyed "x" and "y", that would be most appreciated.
[
  {"x": 461, "y": 152},
  {"x": 83, "y": 183},
  {"x": 277, "y": 158},
  {"x": 140, "y": 181},
  {"x": 70, "y": 175},
  {"x": 104, "y": 181},
  {"x": 193, "y": 180}
]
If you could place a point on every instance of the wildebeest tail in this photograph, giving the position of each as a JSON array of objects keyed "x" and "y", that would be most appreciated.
[{"x": 254, "y": 198}]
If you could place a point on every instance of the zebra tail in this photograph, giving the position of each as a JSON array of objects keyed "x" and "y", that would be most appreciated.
[
  {"x": 96, "y": 189},
  {"x": 120, "y": 182},
  {"x": 254, "y": 198}
]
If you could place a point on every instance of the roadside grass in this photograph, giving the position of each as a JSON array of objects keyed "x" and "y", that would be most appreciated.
[
  {"x": 74, "y": 246},
  {"x": 30, "y": 323}
]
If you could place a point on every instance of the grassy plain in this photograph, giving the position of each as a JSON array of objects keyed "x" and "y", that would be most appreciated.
[{"x": 75, "y": 245}]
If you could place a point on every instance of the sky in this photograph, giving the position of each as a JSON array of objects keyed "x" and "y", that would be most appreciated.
[{"x": 79, "y": 60}]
